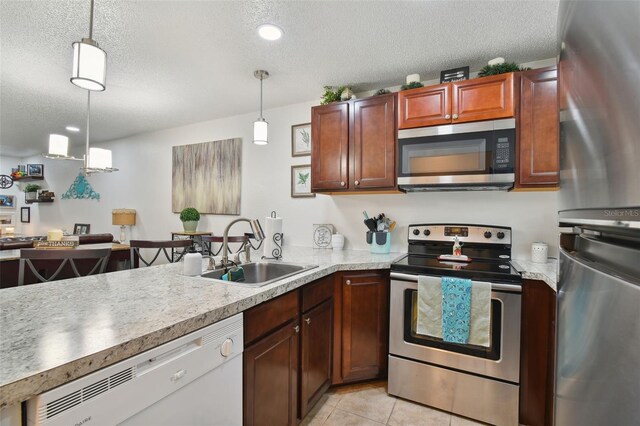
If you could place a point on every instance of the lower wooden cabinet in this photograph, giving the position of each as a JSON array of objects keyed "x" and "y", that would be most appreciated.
[
  {"x": 361, "y": 327},
  {"x": 271, "y": 378},
  {"x": 316, "y": 354},
  {"x": 288, "y": 354},
  {"x": 537, "y": 353}
]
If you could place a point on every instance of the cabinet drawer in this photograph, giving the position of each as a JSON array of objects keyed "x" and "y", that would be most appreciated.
[
  {"x": 317, "y": 292},
  {"x": 270, "y": 315}
]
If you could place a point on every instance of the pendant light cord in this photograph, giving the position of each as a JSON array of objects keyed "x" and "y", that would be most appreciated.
[
  {"x": 261, "y": 78},
  {"x": 86, "y": 157},
  {"x": 91, "y": 22}
]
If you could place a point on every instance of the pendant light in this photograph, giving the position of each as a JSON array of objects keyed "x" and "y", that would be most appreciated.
[
  {"x": 89, "y": 62},
  {"x": 260, "y": 126}
]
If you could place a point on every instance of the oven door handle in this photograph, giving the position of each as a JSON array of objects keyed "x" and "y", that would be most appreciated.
[{"x": 494, "y": 286}]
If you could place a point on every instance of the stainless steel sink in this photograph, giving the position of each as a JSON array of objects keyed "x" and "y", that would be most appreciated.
[{"x": 257, "y": 274}]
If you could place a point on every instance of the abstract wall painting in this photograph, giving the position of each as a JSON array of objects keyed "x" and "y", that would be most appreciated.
[{"x": 207, "y": 176}]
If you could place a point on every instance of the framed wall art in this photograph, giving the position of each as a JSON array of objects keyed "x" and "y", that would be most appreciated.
[
  {"x": 7, "y": 201},
  {"x": 81, "y": 228},
  {"x": 7, "y": 219},
  {"x": 25, "y": 214},
  {"x": 36, "y": 170},
  {"x": 301, "y": 140},
  {"x": 301, "y": 181}
]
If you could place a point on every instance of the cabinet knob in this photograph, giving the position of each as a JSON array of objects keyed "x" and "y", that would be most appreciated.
[
  {"x": 296, "y": 328},
  {"x": 455, "y": 116},
  {"x": 308, "y": 320},
  {"x": 448, "y": 116},
  {"x": 357, "y": 182},
  {"x": 348, "y": 282},
  {"x": 342, "y": 183}
]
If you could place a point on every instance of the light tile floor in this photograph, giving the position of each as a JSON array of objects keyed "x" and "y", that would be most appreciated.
[{"x": 369, "y": 404}]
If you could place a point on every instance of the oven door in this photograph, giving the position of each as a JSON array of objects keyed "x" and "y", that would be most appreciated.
[{"x": 501, "y": 360}]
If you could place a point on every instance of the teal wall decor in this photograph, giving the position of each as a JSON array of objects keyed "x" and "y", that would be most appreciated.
[{"x": 80, "y": 188}]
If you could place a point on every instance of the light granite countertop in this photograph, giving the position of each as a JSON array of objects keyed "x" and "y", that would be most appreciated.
[
  {"x": 547, "y": 272},
  {"x": 55, "y": 332}
]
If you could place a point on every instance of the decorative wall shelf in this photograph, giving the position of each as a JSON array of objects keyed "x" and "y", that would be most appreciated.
[
  {"x": 39, "y": 201},
  {"x": 28, "y": 178}
]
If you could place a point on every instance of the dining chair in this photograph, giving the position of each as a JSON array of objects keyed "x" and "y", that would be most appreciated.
[
  {"x": 50, "y": 258},
  {"x": 161, "y": 247},
  {"x": 207, "y": 244}
]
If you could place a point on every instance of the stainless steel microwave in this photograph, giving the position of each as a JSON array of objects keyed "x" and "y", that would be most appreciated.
[{"x": 467, "y": 156}]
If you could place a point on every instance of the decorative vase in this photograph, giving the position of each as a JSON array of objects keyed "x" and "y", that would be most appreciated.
[{"x": 190, "y": 225}]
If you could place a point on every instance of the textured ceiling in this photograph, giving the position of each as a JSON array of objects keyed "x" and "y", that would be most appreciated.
[{"x": 177, "y": 62}]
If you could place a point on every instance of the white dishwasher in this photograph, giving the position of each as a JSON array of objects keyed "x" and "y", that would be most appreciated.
[{"x": 193, "y": 380}]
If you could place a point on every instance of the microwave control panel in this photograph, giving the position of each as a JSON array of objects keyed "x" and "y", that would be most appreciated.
[{"x": 503, "y": 153}]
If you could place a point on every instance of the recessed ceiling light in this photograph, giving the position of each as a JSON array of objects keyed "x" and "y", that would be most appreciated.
[
  {"x": 72, "y": 128},
  {"x": 270, "y": 32}
]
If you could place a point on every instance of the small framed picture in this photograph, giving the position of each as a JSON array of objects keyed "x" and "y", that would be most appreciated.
[
  {"x": 22, "y": 168},
  {"x": 36, "y": 170},
  {"x": 454, "y": 74},
  {"x": 7, "y": 219},
  {"x": 81, "y": 228},
  {"x": 7, "y": 201},
  {"x": 25, "y": 214},
  {"x": 301, "y": 181},
  {"x": 301, "y": 140}
]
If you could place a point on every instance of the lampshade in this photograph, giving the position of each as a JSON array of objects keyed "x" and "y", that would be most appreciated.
[
  {"x": 58, "y": 145},
  {"x": 89, "y": 65},
  {"x": 260, "y": 131},
  {"x": 123, "y": 217},
  {"x": 99, "y": 158}
]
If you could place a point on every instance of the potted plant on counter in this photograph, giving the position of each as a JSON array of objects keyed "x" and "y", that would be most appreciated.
[
  {"x": 31, "y": 192},
  {"x": 190, "y": 217}
]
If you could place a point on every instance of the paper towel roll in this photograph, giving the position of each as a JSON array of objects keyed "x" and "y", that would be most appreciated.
[{"x": 272, "y": 226}]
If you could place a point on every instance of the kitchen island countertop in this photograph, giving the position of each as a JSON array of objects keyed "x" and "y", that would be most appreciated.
[{"x": 55, "y": 332}]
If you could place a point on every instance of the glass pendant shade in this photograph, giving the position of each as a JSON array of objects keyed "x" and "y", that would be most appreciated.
[
  {"x": 58, "y": 145},
  {"x": 260, "y": 132},
  {"x": 89, "y": 65},
  {"x": 99, "y": 158}
]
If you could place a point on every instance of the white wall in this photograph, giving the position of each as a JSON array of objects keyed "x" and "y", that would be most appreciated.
[{"x": 144, "y": 183}]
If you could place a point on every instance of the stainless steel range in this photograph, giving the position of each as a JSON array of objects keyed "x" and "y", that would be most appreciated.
[{"x": 474, "y": 381}]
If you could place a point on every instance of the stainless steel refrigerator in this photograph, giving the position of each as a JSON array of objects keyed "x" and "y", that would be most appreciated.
[{"x": 598, "y": 334}]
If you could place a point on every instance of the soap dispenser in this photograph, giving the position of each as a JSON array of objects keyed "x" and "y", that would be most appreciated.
[{"x": 192, "y": 263}]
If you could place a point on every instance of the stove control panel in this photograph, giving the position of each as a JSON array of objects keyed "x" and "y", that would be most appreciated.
[{"x": 464, "y": 233}]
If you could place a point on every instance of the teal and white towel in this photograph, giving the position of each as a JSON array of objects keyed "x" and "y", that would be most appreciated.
[
  {"x": 456, "y": 309},
  {"x": 429, "y": 316}
]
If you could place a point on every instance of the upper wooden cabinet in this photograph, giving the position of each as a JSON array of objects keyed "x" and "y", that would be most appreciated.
[
  {"x": 486, "y": 98},
  {"x": 354, "y": 145},
  {"x": 537, "y": 148},
  {"x": 426, "y": 106},
  {"x": 330, "y": 148}
]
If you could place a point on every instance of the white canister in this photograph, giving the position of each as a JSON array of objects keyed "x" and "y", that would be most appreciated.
[
  {"x": 192, "y": 264},
  {"x": 539, "y": 252},
  {"x": 337, "y": 241},
  {"x": 55, "y": 235}
]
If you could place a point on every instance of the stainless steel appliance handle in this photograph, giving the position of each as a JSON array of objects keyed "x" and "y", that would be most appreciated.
[{"x": 494, "y": 286}]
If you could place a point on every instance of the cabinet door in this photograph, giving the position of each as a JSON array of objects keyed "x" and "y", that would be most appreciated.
[
  {"x": 427, "y": 106},
  {"x": 374, "y": 142},
  {"x": 485, "y": 98},
  {"x": 538, "y": 147},
  {"x": 365, "y": 324},
  {"x": 330, "y": 147},
  {"x": 271, "y": 378},
  {"x": 316, "y": 354}
]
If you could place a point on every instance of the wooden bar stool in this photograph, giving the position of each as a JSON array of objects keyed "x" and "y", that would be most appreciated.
[
  {"x": 160, "y": 246},
  {"x": 64, "y": 257},
  {"x": 207, "y": 243}
]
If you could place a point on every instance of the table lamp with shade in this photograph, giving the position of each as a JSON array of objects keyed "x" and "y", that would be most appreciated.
[{"x": 123, "y": 217}]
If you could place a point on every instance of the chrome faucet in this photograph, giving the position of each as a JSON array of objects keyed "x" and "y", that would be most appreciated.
[{"x": 256, "y": 228}]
